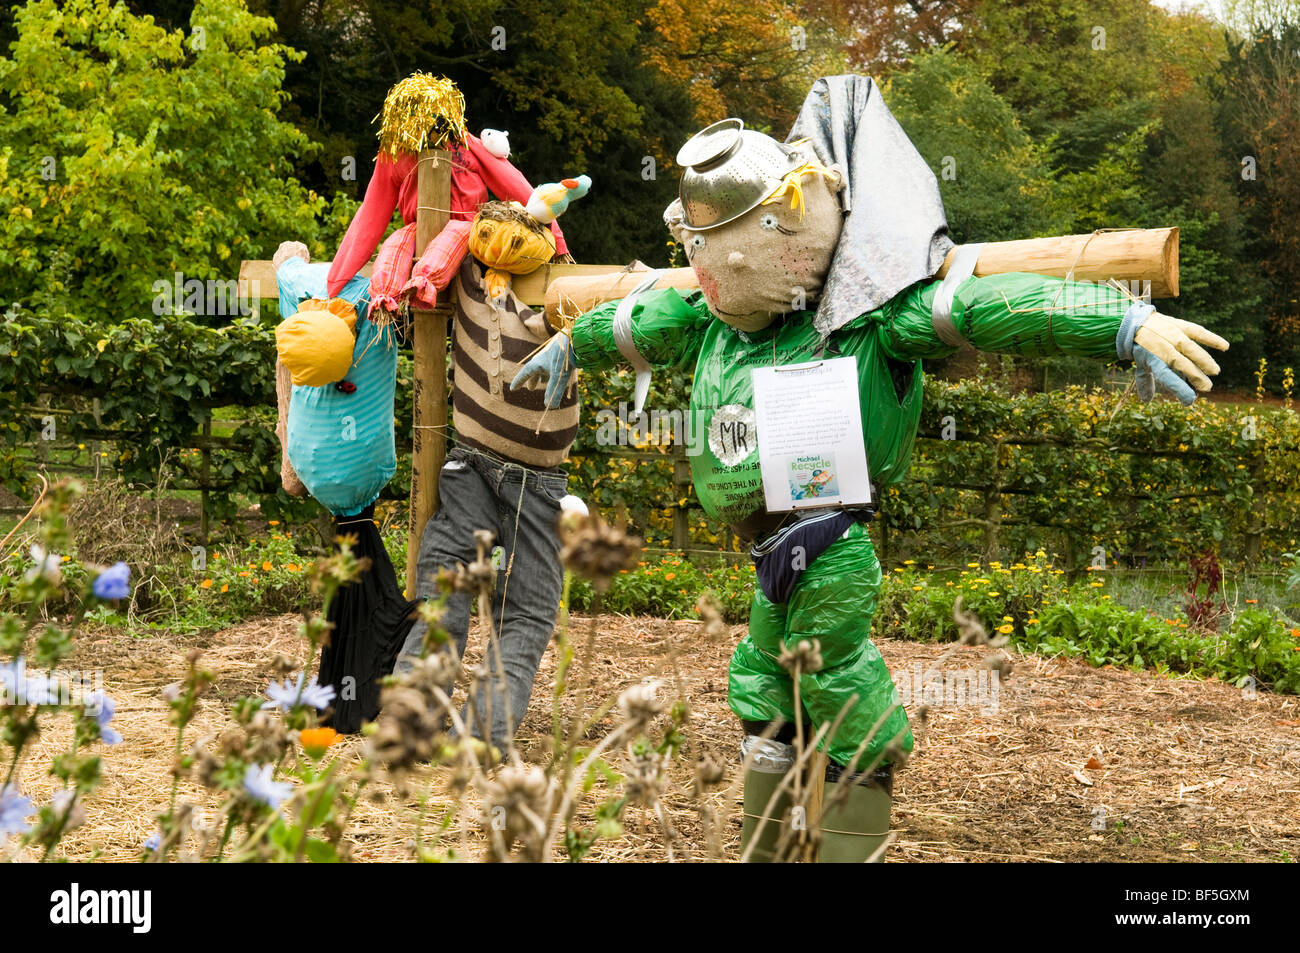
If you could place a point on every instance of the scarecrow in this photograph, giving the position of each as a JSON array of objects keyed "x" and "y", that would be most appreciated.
[
  {"x": 336, "y": 377},
  {"x": 811, "y": 251}
]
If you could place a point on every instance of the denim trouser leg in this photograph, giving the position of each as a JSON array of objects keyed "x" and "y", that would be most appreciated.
[
  {"x": 528, "y": 589},
  {"x": 467, "y": 504},
  {"x": 520, "y": 507}
]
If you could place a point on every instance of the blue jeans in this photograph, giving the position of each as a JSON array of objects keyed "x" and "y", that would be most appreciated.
[{"x": 520, "y": 506}]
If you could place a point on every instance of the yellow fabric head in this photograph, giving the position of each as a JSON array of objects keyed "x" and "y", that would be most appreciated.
[
  {"x": 506, "y": 238},
  {"x": 317, "y": 341}
]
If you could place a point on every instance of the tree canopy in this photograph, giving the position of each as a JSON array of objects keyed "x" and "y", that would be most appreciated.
[{"x": 141, "y": 138}]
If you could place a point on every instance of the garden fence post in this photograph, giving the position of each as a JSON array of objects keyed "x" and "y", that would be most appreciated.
[
  {"x": 1254, "y": 528},
  {"x": 993, "y": 506},
  {"x": 429, "y": 373},
  {"x": 205, "y": 475},
  {"x": 681, "y": 512}
]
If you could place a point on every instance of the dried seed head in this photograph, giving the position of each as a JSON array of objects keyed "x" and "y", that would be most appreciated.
[
  {"x": 406, "y": 729},
  {"x": 970, "y": 630},
  {"x": 232, "y": 741},
  {"x": 595, "y": 550},
  {"x": 710, "y": 612},
  {"x": 708, "y": 773},
  {"x": 515, "y": 802},
  {"x": 644, "y": 780},
  {"x": 640, "y": 703},
  {"x": 805, "y": 657}
]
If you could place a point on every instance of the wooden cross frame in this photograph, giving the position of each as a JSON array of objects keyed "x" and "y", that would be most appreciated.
[{"x": 1131, "y": 255}]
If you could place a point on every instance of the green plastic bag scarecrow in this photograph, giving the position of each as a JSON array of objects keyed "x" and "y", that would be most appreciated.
[{"x": 807, "y": 252}]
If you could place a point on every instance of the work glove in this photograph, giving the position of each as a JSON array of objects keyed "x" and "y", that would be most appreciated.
[
  {"x": 554, "y": 363},
  {"x": 1162, "y": 348},
  {"x": 289, "y": 250}
]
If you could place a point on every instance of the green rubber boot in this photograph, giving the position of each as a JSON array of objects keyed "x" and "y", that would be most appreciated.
[
  {"x": 759, "y": 786},
  {"x": 856, "y": 827}
]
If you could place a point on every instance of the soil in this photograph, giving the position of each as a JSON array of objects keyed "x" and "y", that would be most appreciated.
[{"x": 1074, "y": 763}]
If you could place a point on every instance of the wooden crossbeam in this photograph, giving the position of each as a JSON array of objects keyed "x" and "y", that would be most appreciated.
[{"x": 257, "y": 279}]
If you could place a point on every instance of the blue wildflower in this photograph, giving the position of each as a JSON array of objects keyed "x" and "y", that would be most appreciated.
[
  {"x": 103, "y": 709},
  {"x": 14, "y": 809},
  {"x": 258, "y": 783},
  {"x": 17, "y": 687},
  {"x": 289, "y": 694},
  {"x": 113, "y": 582},
  {"x": 154, "y": 842}
]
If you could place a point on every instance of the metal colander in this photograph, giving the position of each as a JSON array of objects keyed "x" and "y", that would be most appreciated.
[{"x": 727, "y": 171}]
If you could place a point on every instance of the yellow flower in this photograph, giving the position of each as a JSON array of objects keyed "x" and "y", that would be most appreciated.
[
  {"x": 995, "y": 593},
  {"x": 1007, "y": 618},
  {"x": 267, "y": 567},
  {"x": 1006, "y": 629},
  {"x": 292, "y": 567},
  {"x": 1096, "y": 585},
  {"x": 917, "y": 588},
  {"x": 1031, "y": 622},
  {"x": 972, "y": 565},
  {"x": 908, "y": 562},
  {"x": 225, "y": 587}
]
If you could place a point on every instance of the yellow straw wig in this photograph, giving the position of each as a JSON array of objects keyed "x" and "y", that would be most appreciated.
[{"x": 421, "y": 112}]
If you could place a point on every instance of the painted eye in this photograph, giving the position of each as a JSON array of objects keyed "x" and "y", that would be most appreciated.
[
  {"x": 769, "y": 221},
  {"x": 695, "y": 243}
]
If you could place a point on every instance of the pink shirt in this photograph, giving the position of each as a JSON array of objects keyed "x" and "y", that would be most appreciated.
[{"x": 475, "y": 173}]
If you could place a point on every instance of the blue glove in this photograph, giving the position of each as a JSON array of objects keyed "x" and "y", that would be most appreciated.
[{"x": 554, "y": 363}]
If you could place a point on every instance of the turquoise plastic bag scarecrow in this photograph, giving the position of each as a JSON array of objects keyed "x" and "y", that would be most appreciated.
[{"x": 340, "y": 436}]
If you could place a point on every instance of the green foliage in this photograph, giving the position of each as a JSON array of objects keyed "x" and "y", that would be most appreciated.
[
  {"x": 132, "y": 153},
  {"x": 1077, "y": 469},
  {"x": 992, "y": 174},
  {"x": 670, "y": 588},
  {"x": 155, "y": 379},
  {"x": 1030, "y": 603}
]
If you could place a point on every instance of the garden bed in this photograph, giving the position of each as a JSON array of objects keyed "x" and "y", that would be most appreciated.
[{"x": 1189, "y": 769}]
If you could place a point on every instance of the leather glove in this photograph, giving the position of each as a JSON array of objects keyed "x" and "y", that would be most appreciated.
[
  {"x": 1163, "y": 348},
  {"x": 554, "y": 363}
]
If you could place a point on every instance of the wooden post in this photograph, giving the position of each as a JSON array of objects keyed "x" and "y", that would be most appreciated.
[
  {"x": 205, "y": 475},
  {"x": 429, "y": 384},
  {"x": 681, "y": 513}
]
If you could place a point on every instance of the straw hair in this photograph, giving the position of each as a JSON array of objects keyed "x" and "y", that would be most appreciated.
[{"x": 421, "y": 112}]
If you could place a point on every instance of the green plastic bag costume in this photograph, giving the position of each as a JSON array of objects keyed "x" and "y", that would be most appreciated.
[{"x": 836, "y": 597}]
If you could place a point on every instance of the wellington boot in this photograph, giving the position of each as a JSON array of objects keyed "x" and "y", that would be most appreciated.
[
  {"x": 853, "y": 829},
  {"x": 759, "y": 786}
]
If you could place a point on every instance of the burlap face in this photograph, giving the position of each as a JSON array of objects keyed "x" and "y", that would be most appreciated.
[{"x": 771, "y": 260}]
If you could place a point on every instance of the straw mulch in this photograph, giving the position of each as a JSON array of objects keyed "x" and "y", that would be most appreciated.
[{"x": 1180, "y": 770}]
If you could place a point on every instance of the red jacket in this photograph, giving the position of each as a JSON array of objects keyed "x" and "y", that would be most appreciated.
[{"x": 474, "y": 173}]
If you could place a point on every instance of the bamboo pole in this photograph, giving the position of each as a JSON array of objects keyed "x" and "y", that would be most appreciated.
[
  {"x": 429, "y": 384},
  {"x": 1133, "y": 256}
]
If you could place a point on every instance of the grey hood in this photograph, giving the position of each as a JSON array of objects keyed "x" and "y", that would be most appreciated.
[{"x": 895, "y": 232}]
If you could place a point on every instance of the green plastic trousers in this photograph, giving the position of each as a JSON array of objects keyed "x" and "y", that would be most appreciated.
[{"x": 833, "y": 603}]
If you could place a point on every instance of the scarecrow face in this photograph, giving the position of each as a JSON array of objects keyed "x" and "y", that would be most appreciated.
[{"x": 771, "y": 260}]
